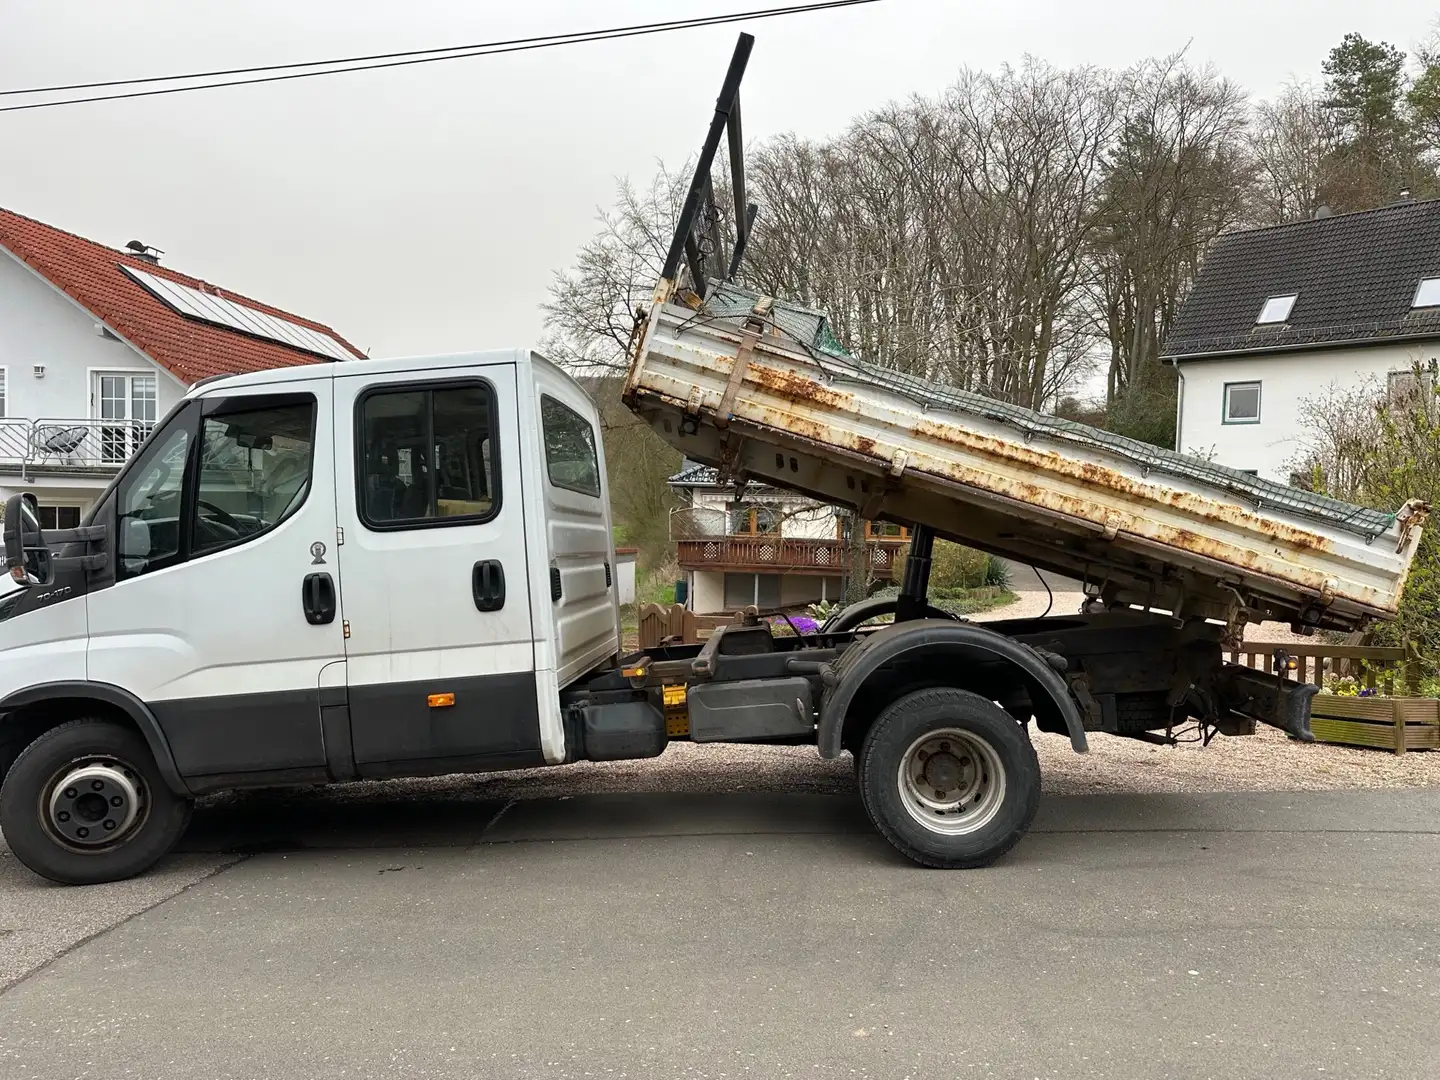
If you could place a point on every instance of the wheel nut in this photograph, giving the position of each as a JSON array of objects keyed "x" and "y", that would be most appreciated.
[
  {"x": 945, "y": 746},
  {"x": 116, "y": 800},
  {"x": 964, "y": 761},
  {"x": 71, "y": 793},
  {"x": 82, "y": 832},
  {"x": 63, "y": 815},
  {"x": 97, "y": 785},
  {"x": 109, "y": 824}
]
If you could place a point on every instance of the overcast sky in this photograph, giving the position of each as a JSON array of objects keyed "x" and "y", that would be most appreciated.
[{"x": 425, "y": 209}]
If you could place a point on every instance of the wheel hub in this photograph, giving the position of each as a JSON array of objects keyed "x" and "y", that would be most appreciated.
[
  {"x": 95, "y": 804},
  {"x": 952, "y": 781}
]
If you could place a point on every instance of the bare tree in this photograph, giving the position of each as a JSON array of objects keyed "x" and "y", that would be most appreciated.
[
  {"x": 1174, "y": 180},
  {"x": 1290, "y": 142},
  {"x": 592, "y": 305}
]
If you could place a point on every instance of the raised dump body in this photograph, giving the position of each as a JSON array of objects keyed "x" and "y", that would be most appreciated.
[{"x": 760, "y": 388}]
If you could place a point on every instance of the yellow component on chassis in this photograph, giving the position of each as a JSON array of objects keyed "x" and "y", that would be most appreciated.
[{"x": 677, "y": 714}]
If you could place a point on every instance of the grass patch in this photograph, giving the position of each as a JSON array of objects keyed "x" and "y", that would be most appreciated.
[{"x": 960, "y": 601}]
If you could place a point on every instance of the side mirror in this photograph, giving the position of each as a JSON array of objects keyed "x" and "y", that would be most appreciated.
[
  {"x": 134, "y": 541},
  {"x": 27, "y": 559}
]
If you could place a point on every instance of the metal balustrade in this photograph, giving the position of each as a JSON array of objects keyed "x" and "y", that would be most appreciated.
[{"x": 60, "y": 445}]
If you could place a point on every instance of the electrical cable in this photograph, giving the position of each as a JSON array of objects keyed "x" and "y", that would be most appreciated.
[
  {"x": 1048, "y": 593},
  {"x": 392, "y": 60}
]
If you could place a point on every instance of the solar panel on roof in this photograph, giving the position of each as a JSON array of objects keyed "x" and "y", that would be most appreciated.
[{"x": 224, "y": 312}]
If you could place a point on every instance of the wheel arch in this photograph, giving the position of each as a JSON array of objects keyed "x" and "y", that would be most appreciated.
[
  {"x": 885, "y": 662},
  {"x": 44, "y": 706}
]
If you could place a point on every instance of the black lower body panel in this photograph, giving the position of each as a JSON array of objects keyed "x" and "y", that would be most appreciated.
[
  {"x": 493, "y": 717},
  {"x": 241, "y": 733}
]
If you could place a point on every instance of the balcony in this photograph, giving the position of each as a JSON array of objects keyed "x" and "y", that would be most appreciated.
[
  {"x": 60, "y": 447},
  {"x": 701, "y": 543}
]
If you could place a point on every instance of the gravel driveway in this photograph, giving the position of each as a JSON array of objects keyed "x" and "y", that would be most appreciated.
[{"x": 1268, "y": 761}]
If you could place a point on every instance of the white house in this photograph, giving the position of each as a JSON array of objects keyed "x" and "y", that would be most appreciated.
[
  {"x": 96, "y": 344},
  {"x": 1279, "y": 315},
  {"x": 768, "y": 547}
]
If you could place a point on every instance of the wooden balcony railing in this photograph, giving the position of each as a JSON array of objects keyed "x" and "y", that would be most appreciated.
[{"x": 779, "y": 555}]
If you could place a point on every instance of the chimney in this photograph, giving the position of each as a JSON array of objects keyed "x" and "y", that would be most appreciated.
[
  {"x": 1404, "y": 196},
  {"x": 1322, "y": 211},
  {"x": 137, "y": 249}
]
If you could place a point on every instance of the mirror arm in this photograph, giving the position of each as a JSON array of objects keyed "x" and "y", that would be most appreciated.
[{"x": 85, "y": 534}]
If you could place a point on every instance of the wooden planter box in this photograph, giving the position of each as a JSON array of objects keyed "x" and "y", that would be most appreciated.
[{"x": 1392, "y": 723}]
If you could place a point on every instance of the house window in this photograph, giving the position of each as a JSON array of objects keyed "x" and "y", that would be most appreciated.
[
  {"x": 1427, "y": 293},
  {"x": 1409, "y": 387},
  {"x": 1276, "y": 309},
  {"x": 885, "y": 530},
  {"x": 1242, "y": 403},
  {"x": 130, "y": 401},
  {"x": 59, "y": 517},
  {"x": 752, "y": 519}
]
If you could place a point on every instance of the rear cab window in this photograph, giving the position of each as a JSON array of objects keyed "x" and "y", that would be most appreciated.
[
  {"x": 426, "y": 455},
  {"x": 570, "y": 457}
]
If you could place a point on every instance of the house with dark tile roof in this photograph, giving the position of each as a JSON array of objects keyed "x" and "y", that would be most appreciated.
[
  {"x": 97, "y": 343},
  {"x": 1279, "y": 316}
]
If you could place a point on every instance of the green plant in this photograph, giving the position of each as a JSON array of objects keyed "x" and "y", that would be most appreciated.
[
  {"x": 824, "y": 609},
  {"x": 997, "y": 572},
  {"x": 1380, "y": 449}
]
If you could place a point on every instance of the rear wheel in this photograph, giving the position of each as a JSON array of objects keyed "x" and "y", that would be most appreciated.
[
  {"x": 949, "y": 778},
  {"x": 85, "y": 803}
]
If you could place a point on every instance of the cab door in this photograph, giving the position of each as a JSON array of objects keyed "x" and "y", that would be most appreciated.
[
  {"x": 440, "y": 655},
  {"x": 224, "y": 607}
]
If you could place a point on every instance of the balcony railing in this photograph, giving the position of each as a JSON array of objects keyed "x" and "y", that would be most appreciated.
[
  {"x": 779, "y": 555},
  {"x": 69, "y": 446},
  {"x": 703, "y": 541}
]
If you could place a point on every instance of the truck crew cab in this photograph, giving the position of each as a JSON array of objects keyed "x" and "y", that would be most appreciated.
[{"x": 382, "y": 568}]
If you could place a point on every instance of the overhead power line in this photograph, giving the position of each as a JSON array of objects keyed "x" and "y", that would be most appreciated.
[{"x": 374, "y": 62}]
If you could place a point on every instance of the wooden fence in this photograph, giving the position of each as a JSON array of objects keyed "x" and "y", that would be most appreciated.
[
  {"x": 1377, "y": 667},
  {"x": 657, "y": 623}
]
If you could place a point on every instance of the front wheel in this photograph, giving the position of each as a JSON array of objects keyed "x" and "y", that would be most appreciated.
[
  {"x": 949, "y": 778},
  {"x": 85, "y": 803}
]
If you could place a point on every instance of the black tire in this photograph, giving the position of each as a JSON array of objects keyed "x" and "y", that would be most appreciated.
[
  {"x": 968, "y": 751},
  {"x": 31, "y": 791}
]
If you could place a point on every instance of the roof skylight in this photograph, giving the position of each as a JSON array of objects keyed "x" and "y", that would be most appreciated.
[
  {"x": 1276, "y": 309},
  {"x": 1427, "y": 293},
  {"x": 218, "y": 311}
]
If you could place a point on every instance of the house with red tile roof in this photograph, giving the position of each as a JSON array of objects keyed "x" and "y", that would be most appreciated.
[{"x": 97, "y": 343}]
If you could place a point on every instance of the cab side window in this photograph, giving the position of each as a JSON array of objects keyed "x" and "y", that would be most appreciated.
[
  {"x": 426, "y": 455},
  {"x": 254, "y": 471},
  {"x": 149, "y": 504},
  {"x": 570, "y": 455},
  {"x": 221, "y": 472}
]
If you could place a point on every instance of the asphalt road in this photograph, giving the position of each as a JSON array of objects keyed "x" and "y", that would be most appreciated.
[{"x": 1145, "y": 936}]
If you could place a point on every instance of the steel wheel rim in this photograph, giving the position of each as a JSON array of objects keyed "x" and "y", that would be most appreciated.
[
  {"x": 952, "y": 782},
  {"x": 94, "y": 804}
]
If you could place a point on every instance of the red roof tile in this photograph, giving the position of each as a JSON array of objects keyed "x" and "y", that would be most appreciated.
[{"x": 89, "y": 273}]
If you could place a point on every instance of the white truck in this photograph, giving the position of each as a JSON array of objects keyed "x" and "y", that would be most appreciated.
[{"x": 393, "y": 568}]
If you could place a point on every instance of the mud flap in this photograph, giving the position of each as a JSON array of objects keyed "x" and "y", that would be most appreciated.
[{"x": 1281, "y": 703}]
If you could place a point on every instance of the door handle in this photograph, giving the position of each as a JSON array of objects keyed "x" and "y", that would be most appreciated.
[
  {"x": 317, "y": 594},
  {"x": 487, "y": 582}
]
